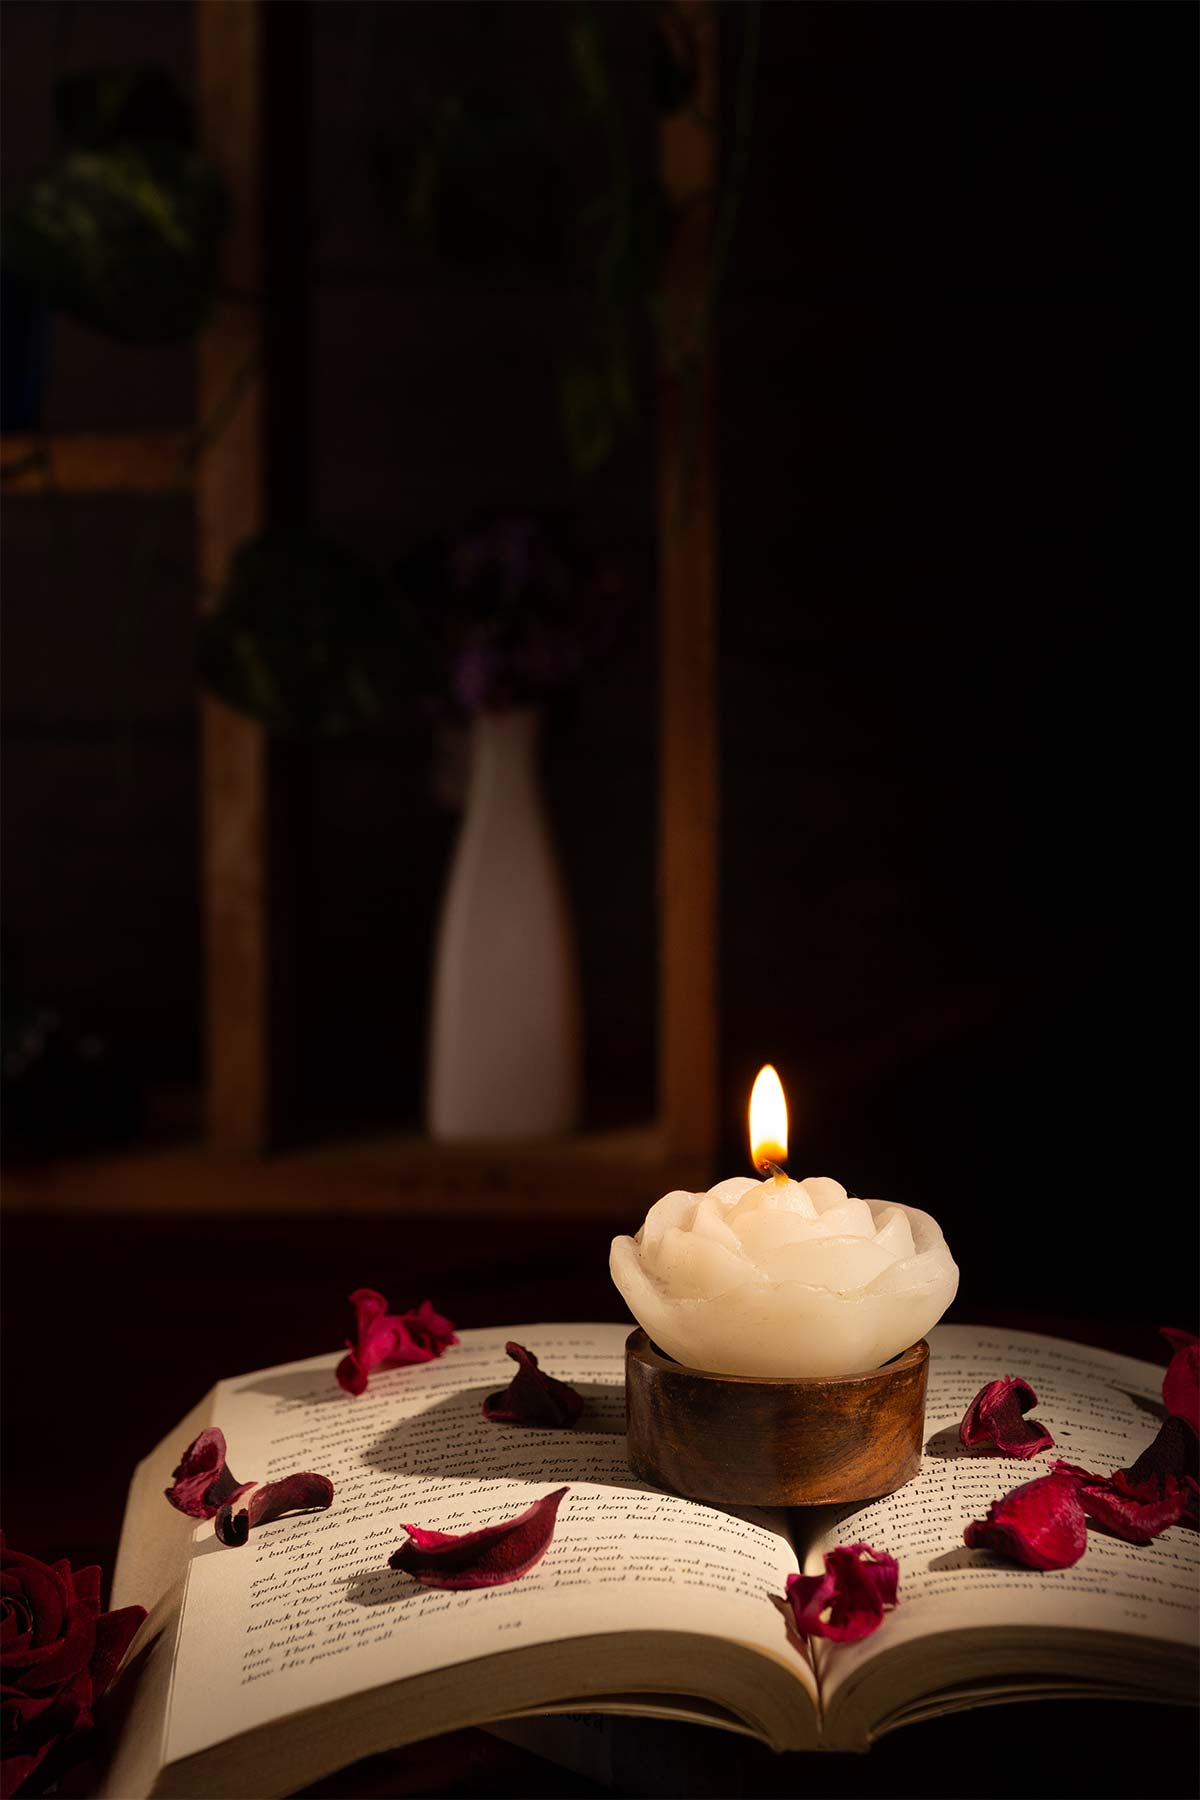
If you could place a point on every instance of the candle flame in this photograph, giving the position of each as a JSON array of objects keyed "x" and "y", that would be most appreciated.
[{"x": 768, "y": 1119}]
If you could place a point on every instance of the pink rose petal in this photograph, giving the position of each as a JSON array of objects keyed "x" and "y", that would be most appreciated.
[
  {"x": 385, "y": 1340},
  {"x": 477, "y": 1559},
  {"x": 533, "y": 1397},
  {"x": 847, "y": 1602},
  {"x": 1040, "y": 1524},
  {"x": 995, "y": 1418},
  {"x": 1181, "y": 1383},
  {"x": 203, "y": 1483},
  {"x": 302, "y": 1492}
]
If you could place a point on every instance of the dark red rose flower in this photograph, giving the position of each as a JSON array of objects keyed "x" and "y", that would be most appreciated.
[
  {"x": 533, "y": 1397},
  {"x": 203, "y": 1483},
  {"x": 1040, "y": 1524},
  {"x": 1134, "y": 1510},
  {"x": 384, "y": 1340},
  {"x": 995, "y": 1419},
  {"x": 847, "y": 1602},
  {"x": 484, "y": 1558},
  {"x": 1181, "y": 1383},
  {"x": 302, "y": 1492},
  {"x": 58, "y": 1653}
]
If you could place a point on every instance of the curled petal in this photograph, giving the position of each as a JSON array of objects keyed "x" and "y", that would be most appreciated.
[
  {"x": 485, "y": 1558},
  {"x": 847, "y": 1602},
  {"x": 1174, "y": 1451},
  {"x": 1156, "y": 1492},
  {"x": 1040, "y": 1524},
  {"x": 1181, "y": 1383},
  {"x": 532, "y": 1397},
  {"x": 1135, "y": 1512},
  {"x": 203, "y": 1484},
  {"x": 996, "y": 1417},
  {"x": 428, "y": 1331},
  {"x": 302, "y": 1492},
  {"x": 386, "y": 1339}
]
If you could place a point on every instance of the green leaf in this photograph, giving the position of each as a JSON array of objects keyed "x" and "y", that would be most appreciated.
[
  {"x": 308, "y": 638},
  {"x": 99, "y": 108},
  {"x": 588, "y": 421},
  {"x": 124, "y": 240},
  {"x": 588, "y": 61}
]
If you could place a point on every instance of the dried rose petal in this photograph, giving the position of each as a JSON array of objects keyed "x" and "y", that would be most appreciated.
[
  {"x": 1175, "y": 1450},
  {"x": 477, "y": 1559},
  {"x": 995, "y": 1417},
  {"x": 1181, "y": 1383},
  {"x": 847, "y": 1602},
  {"x": 385, "y": 1340},
  {"x": 1040, "y": 1524},
  {"x": 203, "y": 1483},
  {"x": 302, "y": 1492},
  {"x": 1136, "y": 1512},
  {"x": 1156, "y": 1492},
  {"x": 533, "y": 1397}
]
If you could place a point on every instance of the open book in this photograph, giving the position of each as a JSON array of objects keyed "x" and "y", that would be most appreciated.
[{"x": 263, "y": 1668}]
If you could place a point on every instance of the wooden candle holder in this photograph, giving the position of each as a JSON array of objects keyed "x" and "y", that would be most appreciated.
[{"x": 751, "y": 1440}]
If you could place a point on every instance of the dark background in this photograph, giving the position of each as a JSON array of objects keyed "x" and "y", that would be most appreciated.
[
  {"x": 956, "y": 458},
  {"x": 957, "y": 520}
]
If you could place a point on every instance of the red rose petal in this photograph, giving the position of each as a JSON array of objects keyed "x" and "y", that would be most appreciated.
[
  {"x": 1181, "y": 1383},
  {"x": 995, "y": 1417},
  {"x": 302, "y": 1492},
  {"x": 1174, "y": 1451},
  {"x": 203, "y": 1484},
  {"x": 485, "y": 1558},
  {"x": 1136, "y": 1514},
  {"x": 385, "y": 1340},
  {"x": 1141, "y": 1502},
  {"x": 852, "y": 1591},
  {"x": 115, "y": 1631},
  {"x": 532, "y": 1397},
  {"x": 1040, "y": 1524},
  {"x": 58, "y": 1654}
]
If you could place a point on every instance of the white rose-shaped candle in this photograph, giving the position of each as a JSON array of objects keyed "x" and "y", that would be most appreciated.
[{"x": 780, "y": 1277}]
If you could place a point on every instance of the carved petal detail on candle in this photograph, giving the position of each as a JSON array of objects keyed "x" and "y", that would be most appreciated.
[{"x": 784, "y": 1278}]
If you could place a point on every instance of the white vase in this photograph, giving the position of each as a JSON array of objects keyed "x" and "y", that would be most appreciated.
[{"x": 505, "y": 1050}]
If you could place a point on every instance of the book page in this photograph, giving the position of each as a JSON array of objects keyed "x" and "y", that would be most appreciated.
[
  {"x": 309, "y": 1611},
  {"x": 1102, "y": 1411}
]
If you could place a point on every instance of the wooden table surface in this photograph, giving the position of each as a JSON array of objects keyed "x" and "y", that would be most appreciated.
[{"x": 114, "y": 1327}]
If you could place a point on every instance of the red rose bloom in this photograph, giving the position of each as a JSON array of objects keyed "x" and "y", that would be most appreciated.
[{"x": 58, "y": 1653}]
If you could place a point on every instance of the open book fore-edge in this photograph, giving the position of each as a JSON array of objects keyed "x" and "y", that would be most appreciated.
[{"x": 742, "y": 1440}]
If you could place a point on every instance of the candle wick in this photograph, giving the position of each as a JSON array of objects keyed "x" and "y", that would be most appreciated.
[{"x": 774, "y": 1169}]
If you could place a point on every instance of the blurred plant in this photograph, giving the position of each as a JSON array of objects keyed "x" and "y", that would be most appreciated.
[
  {"x": 121, "y": 231},
  {"x": 511, "y": 612},
  {"x": 63, "y": 1089},
  {"x": 309, "y": 639},
  {"x": 306, "y": 637},
  {"x": 561, "y": 178}
]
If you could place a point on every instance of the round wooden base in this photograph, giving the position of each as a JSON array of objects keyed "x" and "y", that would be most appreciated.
[{"x": 761, "y": 1441}]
